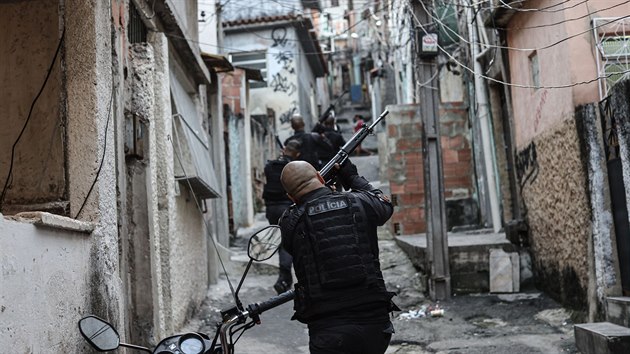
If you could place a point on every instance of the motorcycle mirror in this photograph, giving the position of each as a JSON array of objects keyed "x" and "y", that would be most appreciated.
[
  {"x": 264, "y": 243},
  {"x": 100, "y": 334}
]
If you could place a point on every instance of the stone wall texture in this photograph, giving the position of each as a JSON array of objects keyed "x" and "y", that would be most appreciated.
[{"x": 554, "y": 192}]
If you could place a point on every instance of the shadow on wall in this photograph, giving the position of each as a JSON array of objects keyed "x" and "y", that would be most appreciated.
[{"x": 462, "y": 214}]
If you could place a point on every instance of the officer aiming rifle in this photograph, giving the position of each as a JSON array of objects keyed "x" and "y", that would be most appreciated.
[{"x": 348, "y": 148}]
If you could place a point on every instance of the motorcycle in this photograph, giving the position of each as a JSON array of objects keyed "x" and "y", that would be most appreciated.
[{"x": 102, "y": 336}]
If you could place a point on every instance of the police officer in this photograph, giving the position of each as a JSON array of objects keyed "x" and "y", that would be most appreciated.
[
  {"x": 276, "y": 202},
  {"x": 340, "y": 293},
  {"x": 311, "y": 144}
]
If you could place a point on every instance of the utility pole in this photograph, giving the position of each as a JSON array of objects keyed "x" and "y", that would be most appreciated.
[{"x": 427, "y": 73}]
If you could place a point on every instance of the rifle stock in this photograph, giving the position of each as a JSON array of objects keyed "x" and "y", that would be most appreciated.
[{"x": 345, "y": 151}]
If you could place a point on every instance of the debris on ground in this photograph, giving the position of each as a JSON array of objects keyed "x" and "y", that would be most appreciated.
[{"x": 423, "y": 311}]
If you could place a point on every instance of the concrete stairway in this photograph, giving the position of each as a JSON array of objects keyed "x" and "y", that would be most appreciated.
[{"x": 607, "y": 337}]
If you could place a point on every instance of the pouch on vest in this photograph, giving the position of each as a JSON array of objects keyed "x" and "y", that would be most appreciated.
[{"x": 334, "y": 242}]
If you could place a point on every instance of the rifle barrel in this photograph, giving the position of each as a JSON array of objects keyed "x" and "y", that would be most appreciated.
[{"x": 348, "y": 148}]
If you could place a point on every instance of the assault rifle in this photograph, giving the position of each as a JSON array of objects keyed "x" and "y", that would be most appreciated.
[
  {"x": 324, "y": 115},
  {"x": 348, "y": 148}
]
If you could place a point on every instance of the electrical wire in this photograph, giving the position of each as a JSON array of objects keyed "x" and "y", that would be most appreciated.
[
  {"x": 100, "y": 166},
  {"x": 451, "y": 57},
  {"x": 588, "y": 14},
  {"x": 487, "y": 45},
  {"x": 28, "y": 118},
  {"x": 214, "y": 243}
]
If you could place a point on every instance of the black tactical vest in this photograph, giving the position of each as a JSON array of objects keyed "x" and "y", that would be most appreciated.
[
  {"x": 273, "y": 192},
  {"x": 334, "y": 263}
]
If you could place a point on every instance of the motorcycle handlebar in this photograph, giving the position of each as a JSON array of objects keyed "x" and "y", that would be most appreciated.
[{"x": 258, "y": 308}]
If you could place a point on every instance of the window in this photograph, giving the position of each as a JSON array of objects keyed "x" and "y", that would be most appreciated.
[
  {"x": 615, "y": 51},
  {"x": 136, "y": 31},
  {"x": 534, "y": 69},
  {"x": 192, "y": 159},
  {"x": 612, "y": 43},
  {"x": 252, "y": 60}
]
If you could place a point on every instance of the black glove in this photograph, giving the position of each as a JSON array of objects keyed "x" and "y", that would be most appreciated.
[{"x": 347, "y": 171}]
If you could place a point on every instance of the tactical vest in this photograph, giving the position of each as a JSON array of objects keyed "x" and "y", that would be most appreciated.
[
  {"x": 273, "y": 192},
  {"x": 334, "y": 263},
  {"x": 308, "y": 149}
]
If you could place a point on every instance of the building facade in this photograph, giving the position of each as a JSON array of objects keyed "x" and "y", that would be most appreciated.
[{"x": 108, "y": 172}]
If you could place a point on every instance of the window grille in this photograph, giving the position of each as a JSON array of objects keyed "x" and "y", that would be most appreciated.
[
  {"x": 137, "y": 30},
  {"x": 612, "y": 41}
]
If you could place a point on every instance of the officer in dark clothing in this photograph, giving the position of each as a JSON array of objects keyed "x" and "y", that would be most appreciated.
[
  {"x": 276, "y": 202},
  {"x": 340, "y": 293},
  {"x": 335, "y": 138},
  {"x": 311, "y": 143}
]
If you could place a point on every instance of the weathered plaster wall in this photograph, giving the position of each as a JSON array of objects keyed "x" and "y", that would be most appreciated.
[
  {"x": 30, "y": 32},
  {"x": 603, "y": 267},
  {"x": 46, "y": 282},
  {"x": 536, "y": 110},
  {"x": 187, "y": 17},
  {"x": 554, "y": 192},
  {"x": 571, "y": 61},
  {"x": 188, "y": 263},
  {"x": 161, "y": 186},
  {"x": 136, "y": 235},
  {"x": 88, "y": 55},
  {"x": 239, "y": 147}
]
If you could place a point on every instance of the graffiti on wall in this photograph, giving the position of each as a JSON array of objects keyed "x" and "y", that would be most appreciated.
[
  {"x": 279, "y": 37},
  {"x": 285, "y": 58},
  {"x": 280, "y": 83},
  {"x": 286, "y": 116},
  {"x": 527, "y": 165}
]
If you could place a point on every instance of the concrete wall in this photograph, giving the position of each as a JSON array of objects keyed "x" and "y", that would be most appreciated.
[
  {"x": 538, "y": 110},
  {"x": 187, "y": 17},
  {"x": 49, "y": 262},
  {"x": 188, "y": 263},
  {"x": 239, "y": 142},
  {"x": 46, "y": 285},
  {"x": 569, "y": 227},
  {"x": 30, "y": 32}
]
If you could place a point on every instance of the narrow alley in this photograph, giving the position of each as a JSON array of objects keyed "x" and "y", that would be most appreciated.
[{"x": 143, "y": 142}]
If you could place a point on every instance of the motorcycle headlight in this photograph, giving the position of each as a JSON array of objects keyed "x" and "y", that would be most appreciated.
[{"x": 191, "y": 344}]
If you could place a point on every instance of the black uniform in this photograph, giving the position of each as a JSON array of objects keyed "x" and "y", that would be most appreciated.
[
  {"x": 312, "y": 147},
  {"x": 340, "y": 292},
  {"x": 276, "y": 202}
]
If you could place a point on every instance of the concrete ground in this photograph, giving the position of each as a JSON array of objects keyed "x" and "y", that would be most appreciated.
[{"x": 477, "y": 323}]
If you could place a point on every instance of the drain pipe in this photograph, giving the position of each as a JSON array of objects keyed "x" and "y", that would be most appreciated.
[{"x": 483, "y": 112}]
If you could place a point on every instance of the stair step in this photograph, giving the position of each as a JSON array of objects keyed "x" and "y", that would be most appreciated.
[
  {"x": 602, "y": 338},
  {"x": 618, "y": 310}
]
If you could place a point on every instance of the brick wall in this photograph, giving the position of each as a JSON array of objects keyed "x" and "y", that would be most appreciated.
[
  {"x": 404, "y": 164},
  {"x": 405, "y": 174},
  {"x": 231, "y": 90}
]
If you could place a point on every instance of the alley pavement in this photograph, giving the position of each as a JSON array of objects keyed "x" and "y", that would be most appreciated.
[
  {"x": 527, "y": 322},
  {"x": 475, "y": 323}
]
